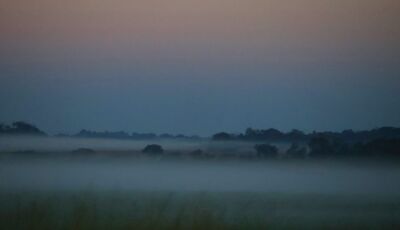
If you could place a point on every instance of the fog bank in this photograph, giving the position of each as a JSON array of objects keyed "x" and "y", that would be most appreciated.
[{"x": 326, "y": 177}]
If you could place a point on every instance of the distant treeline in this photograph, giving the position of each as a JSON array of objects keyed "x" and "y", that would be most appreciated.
[
  {"x": 383, "y": 141},
  {"x": 20, "y": 128},
  {"x": 127, "y": 136},
  {"x": 24, "y": 128},
  {"x": 325, "y": 147},
  {"x": 274, "y": 135},
  {"x": 257, "y": 135}
]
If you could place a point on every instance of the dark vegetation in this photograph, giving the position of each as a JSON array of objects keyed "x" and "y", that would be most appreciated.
[
  {"x": 126, "y": 136},
  {"x": 20, "y": 128},
  {"x": 274, "y": 135},
  {"x": 84, "y": 151},
  {"x": 380, "y": 142},
  {"x": 323, "y": 146},
  {"x": 197, "y": 211},
  {"x": 296, "y": 151},
  {"x": 153, "y": 149},
  {"x": 266, "y": 150}
]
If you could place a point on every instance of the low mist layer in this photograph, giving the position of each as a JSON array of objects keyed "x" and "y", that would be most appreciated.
[{"x": 330, "y": 177}]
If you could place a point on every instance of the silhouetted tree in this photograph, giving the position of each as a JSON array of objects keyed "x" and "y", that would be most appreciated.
[
  {"x": 166, "y": 136},
  {"x": 250, "y": 134},
  {"x": 153, "y": 149},
  {"x": 20, "y": 128},
  {"x": 381, "y": 147},
  {"x": 222, "y": 137},
  {"x": 143, "y": 136},
  {"x": 320, "y": 147},
  {"x": 84, "y": 151},
  {"x": 296, "y": 151},
  {"x": 295, "y": 135},
  {"x": 266, "y": 150},
  {"x": 24, "y": 127},
  {"x": 272, "y": 134},
  {"x": 106, "y": 134},
  {"x": 347, "y": 136}
]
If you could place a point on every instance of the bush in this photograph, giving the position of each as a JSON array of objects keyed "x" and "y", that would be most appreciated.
[
  {"x": 295, "y": 151},
  {"x": 266, "y": 150},
  {"x": 320, "y": 147},
  {"x": 84, "y": 151},
  {"x": 222, "y": 137},
  {"x": 153, "y": 149}
]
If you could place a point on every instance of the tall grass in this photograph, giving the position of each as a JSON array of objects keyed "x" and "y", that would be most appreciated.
[{"x": 204, "y": 211}]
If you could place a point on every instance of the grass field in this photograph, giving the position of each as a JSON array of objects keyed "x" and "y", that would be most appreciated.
[
  {"x": 194, "y": 210},
  {"x": 51, "y": 193}
]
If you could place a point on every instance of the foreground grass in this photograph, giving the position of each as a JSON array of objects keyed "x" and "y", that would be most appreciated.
[{"x": 170, "y": 210}]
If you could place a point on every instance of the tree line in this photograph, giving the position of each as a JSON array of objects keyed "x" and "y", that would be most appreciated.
[
  {"x": 20, "y": 128},
  {"x": 383, "y": 141},
  {"x": 378, "y": 142},
  {"x": 274, "y": 135}
]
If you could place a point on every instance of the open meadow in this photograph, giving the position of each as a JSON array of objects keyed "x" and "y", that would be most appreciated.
[{"x": 103, "y": 192}]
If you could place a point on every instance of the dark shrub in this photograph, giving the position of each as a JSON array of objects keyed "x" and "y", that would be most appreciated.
[
  {"x": 20, "y": 128},
  {"x": 266, "y": 150},
  {"x": 153, "y": 149},
  {"x": 380, "y": 147},
  {"x": 296, "y": 151},
  {"x": 320, "y": 147},
  {"x": 324, "y": 146},
  {"x": 222, "y": 137},
  {"x": 84, "y": 151}
]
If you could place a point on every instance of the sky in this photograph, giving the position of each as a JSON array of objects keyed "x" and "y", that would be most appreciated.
[{"x": 200, "y": 66}]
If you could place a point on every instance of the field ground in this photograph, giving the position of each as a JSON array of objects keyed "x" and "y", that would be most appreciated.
[{"x": 194, "y": 210}]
